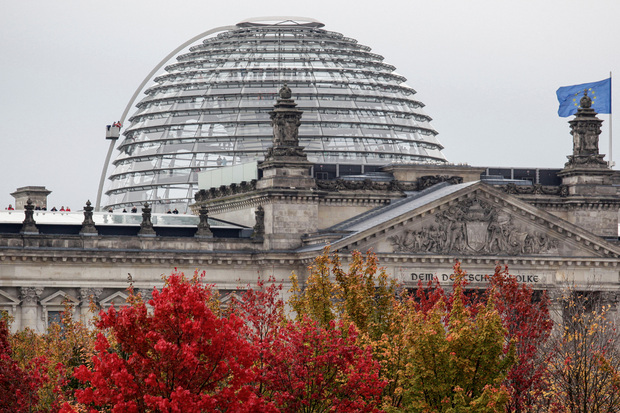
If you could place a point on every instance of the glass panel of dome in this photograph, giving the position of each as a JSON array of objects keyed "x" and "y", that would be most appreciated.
[{"x": 310, "y": 130}]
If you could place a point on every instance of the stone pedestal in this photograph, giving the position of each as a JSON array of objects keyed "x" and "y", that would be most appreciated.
[
  {"x": 37, "y": 194},
  {"x": 30, "y": 297}
]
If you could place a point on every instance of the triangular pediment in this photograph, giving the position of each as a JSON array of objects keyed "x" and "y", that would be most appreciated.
[
  {"x": 7, "y": 300},
  {"x": 229, "y": 298},
  {"x": 118, "y": 299},
  {"x": 58, "y": 299},
  {"x": 471, "y": 220}
]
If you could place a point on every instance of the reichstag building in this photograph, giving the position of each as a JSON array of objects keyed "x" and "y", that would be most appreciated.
[{"x": 275, "y": 138}]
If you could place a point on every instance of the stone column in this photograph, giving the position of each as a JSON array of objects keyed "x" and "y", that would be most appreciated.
[
  {"x": 88, "y": 295},
  {"x": 556, "y": 304},
  {"x": 30, "y": 297}
]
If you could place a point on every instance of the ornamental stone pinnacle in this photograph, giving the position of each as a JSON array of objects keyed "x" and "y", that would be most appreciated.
[
  {"x": 29, "y": 226},
  {"x": 286, "y": 164},
  {"x": 285, "y": 120},
  {"x": 586, "y": 128},
  {"x": 146, "y": 226},
  {"x": 88, "y": 225},
  {"x": 204, "y": 229},
  {"x": 586, "y": 174}
]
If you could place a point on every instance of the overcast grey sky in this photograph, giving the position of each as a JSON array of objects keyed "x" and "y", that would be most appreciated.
[{"x": 487, "y": 71}]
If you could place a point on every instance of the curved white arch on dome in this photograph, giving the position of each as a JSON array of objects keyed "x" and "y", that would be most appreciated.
[
  {"x": 135, "y": 95},
  {"x": 210, "y": 109}
]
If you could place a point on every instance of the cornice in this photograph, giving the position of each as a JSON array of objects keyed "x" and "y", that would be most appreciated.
[{"x": 262, "y": 197}]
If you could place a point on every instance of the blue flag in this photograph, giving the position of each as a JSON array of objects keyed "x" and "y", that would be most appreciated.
[{"x": 599, "y": 92}]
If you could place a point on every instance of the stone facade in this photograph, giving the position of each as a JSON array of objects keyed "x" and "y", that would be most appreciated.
[{"x": 418, "y": 223}]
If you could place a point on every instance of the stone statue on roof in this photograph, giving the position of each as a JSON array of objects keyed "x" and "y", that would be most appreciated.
[
  {"x": 585, "y": 101},
  {"x": 285, "y": 92}
]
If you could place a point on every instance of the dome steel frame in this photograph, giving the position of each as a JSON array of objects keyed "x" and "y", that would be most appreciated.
[{"x": 210, "y": 109}]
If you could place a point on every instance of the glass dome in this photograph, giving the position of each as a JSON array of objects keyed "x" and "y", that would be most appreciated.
[{"x": 210, "y": 109}]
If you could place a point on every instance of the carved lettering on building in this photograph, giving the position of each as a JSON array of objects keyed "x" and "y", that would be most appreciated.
[
  {"x": 473, "y": 227},
  {"x": 447, "y": 277}
]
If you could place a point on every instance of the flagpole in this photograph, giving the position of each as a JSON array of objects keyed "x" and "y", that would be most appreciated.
[{"x": 611, "y": 162}]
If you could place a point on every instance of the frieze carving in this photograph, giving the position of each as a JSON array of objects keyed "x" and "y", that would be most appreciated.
[
  {"x": 224, "y": 190},
  {"x": 400, "y": 186},
  {"x": 473, "y": 227},
  {"x": 536, "y": 189},
  {"x": 366, "y": 184},
  {"x": 30, "y": 295},
  {"x": 330, "y": 184}
]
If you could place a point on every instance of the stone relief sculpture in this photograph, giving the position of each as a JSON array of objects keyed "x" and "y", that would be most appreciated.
[
  {"x": 285, "y": 120},
  {"x": 259, "y": 227},
  {"x": 473, "y": 227},
  {"x": 536, "y": 189},
  {"x": 225, "y": 190},
  {"x": 421, "y": 183}
]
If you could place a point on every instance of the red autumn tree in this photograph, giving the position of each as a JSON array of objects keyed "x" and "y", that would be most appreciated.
[
  {"x": 528, "y": 323},
  {"x": 178, "y": 356},
  {"x": 18, "y": 387},
  {"x": 262, "y": 308},
  {"x": 316, "y": 369},
  {"x": 306, "y": 367}
]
